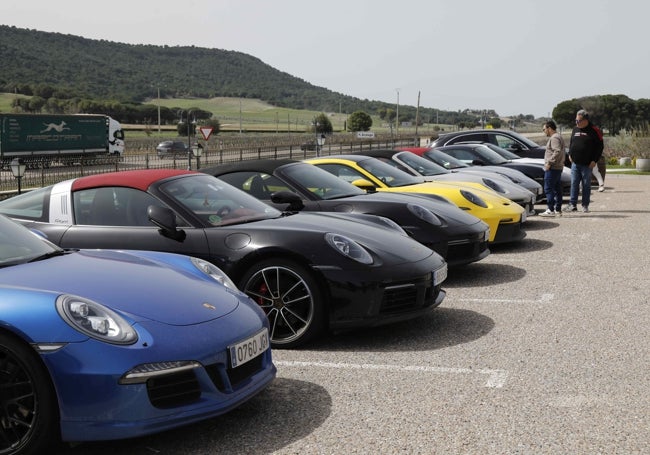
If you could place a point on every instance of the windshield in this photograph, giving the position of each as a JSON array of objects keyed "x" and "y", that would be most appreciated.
[
  {"x": 216, "y": 202},
  {"x": 507, "y": 154},
  {"x": 18, "y": 244},
  {"x": 444, "y": 160},
  {"x": 472, "y": 153},
  {"x": 531, "y": 144},
  {"x": 319, "y": 182},
  {"x": 421, "y": 165},
  {"x": 488, "y": 155},
  {"x": 389, "y": 175}
]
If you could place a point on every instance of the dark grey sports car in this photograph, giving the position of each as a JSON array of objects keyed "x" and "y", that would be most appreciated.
[
  {"x": 459, "y": 237},
  {"x": 307, "y": 271}
]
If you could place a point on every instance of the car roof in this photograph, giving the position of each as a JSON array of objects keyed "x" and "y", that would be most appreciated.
[
  {"x": 469, "y": 145},
  {"x": 484, "y": 130},
  {"x": 140, "y": 179},
  {"x": 379, "y": 153},
  {"x": 266, "y": 166},
  {"x": 355, "y": 158}
]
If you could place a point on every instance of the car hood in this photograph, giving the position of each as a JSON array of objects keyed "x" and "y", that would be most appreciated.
[
  {"x": 305, "y": 231},
  {"x": 90, "y": 274},
  {"x": 443, "y": 208}
]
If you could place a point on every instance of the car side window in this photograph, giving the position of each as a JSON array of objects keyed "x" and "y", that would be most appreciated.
[
  {"x": 505, "y": 142},
  {"x": 258, "y": 184},
  {"x": 471, "y": 137},
  {"x": 394, "y": 164},
  {"x": 342, "y": 172},
  {"x": 113, "y": 206},
  {"x": 30, "y": 206},
  {"x": 462, "y": 154}
]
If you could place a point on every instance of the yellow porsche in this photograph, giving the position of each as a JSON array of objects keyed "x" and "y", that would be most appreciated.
[{"x": 504, "y": 217}]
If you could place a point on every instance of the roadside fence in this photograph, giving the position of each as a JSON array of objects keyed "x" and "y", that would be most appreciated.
[{"x": 141, "y": 154}]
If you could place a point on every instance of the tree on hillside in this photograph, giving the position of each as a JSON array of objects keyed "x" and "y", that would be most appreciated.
[
  {"x": 495, "y": 122},
  {"x": 359, "y": 121},
  {"x": 565, "y": 112}
]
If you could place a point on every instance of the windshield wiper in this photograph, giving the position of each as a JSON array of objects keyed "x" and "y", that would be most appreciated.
[{"x": 49, "y": 255}]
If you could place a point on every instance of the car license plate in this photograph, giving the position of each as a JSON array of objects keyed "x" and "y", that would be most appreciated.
[
  {"x": 439, "y": 275},
  {"x": 249, "y": 348}
]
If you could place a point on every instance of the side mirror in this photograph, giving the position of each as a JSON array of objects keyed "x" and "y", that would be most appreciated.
[
  {"x": 365, "y": 185},
  {"x": 165, "y": 219},
  {"x": 288, "y": 197}
]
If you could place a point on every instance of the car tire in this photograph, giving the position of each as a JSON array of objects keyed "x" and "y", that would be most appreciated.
[
  {"x": 29, "y": 412},
  {"x": 291, "y": 299}
]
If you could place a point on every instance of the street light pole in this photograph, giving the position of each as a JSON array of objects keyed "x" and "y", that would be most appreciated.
[
  {"x": 189, "y": 143},
  {"x": 158, "y": 111},
  {"x": 18, "y": 170},
  {"x": 397, "y": 115},
  {"x": 189, "y": 138}
]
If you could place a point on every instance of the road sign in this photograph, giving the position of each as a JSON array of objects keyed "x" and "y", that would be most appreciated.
[{"x": 206, "y": 131}]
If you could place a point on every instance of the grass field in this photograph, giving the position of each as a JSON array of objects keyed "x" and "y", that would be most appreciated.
[{"x": 247, "y": 115}]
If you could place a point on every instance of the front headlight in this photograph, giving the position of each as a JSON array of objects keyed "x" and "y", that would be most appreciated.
[
  {"x": 348, "y": 248},
  {"x": 215, "y": 272},
  {"x": 494, "y": 185},
  {"x": 95, "y": 320},
  {"x": 473, "y": 198},
  {"x": 424, "y": 214}
]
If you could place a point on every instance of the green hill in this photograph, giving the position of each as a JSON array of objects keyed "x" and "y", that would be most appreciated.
[{"x": 55, "y": 65}]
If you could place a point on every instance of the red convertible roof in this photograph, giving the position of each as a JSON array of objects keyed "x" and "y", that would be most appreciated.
[{"x": 140, "y": 179}]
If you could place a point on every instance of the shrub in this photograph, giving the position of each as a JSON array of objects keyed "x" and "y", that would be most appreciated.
[{"x": 623, "y": 145}]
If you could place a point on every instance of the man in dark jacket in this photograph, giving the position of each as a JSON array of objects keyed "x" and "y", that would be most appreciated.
[{"x": 585, "y": 148}]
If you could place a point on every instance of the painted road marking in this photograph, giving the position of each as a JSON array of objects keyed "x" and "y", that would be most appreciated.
[
  {"x": 495, "y": 378},
  {"x": 542, "y": 299}
]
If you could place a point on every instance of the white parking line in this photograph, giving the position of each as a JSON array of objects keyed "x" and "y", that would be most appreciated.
[
  {"x": 543, "y": 298},
  {"x": 496, "y": 378}
]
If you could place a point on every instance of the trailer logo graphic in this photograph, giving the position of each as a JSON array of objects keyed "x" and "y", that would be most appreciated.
[{"x": 53, "y": 126}]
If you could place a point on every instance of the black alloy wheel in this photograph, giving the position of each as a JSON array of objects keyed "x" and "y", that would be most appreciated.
[
  {"x": 291, "y": 299},
  {"x": 28, "y": 409}
]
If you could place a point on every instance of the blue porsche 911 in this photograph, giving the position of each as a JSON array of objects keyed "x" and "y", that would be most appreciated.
[{"x": 112, "y": 344}]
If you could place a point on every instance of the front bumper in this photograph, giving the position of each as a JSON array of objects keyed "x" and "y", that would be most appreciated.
[
  {"x": 94, "y": 405},
  {"x": 383, "y": 295}
]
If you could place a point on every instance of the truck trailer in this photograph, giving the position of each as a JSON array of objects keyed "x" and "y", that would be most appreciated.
[{"x": 42, "y": 139}]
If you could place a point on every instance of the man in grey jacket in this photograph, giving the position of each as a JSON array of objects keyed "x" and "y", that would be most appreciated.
[
  {"x": 553, "y": 165},
  {"x": 585, "y": 149}
]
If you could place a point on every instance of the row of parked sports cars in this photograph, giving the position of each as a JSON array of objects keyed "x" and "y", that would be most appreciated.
[{"x": 138, "y": 301}]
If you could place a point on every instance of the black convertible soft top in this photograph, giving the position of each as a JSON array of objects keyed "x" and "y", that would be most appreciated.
[{"x": 266, "y": 166}]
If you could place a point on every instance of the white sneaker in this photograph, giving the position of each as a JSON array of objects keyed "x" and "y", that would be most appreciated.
[
  {"x": 585, "y": 209},
  {"x": 547, "y": 212},
  {"x": 601, "y": 188}
]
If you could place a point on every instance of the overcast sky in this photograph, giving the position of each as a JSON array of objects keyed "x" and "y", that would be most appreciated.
[{"x": 513, "y": 56}]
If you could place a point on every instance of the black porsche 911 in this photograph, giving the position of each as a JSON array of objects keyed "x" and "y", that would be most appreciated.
[
  {"x": 287, "y": 184},
  {"x": 308, "y": 271}
]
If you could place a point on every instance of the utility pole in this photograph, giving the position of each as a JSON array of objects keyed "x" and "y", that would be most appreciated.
[
  {"x": 397, "y": 115},
  {"x": 417, "y": 114}
]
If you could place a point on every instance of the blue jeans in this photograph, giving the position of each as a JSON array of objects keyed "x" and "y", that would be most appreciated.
[
  {"x": 580, "y": 173},
  {"x": 553, "y": 189}
]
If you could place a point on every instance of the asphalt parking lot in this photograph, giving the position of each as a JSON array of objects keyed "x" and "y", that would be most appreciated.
[{"x": 541, "y": 348}]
